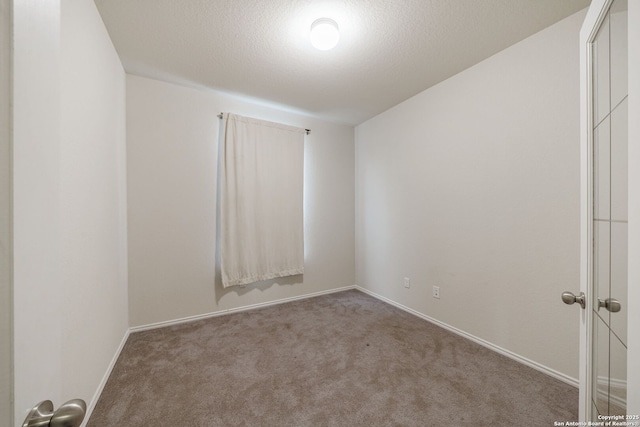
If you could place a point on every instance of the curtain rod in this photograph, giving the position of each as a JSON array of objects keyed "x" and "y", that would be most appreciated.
[{"x": 307, "y": 131}]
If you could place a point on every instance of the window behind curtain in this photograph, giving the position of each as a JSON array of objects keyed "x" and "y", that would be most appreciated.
[{"x": 261, "y": 203}]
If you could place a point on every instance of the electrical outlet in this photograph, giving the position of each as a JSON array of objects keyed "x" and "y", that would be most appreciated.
[
  {"x": 407, "y": 282},
  {"x": 436, "y": 292}
]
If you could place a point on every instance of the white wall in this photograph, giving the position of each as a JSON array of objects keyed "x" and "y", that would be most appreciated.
[
  {"x": 172, "y": 142},
  {"x": 633, "y": 355},
  {"x": 5, "y": 214},
  {"x": 473, "y": 186},
  {"x": 93, "y": 244},
  {"x": 69, "y": 202}
]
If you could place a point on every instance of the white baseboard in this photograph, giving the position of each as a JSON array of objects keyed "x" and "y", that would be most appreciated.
[
  {"x": 535, "y": 365},
  {"x": 616, "y": 390},
  {"x": 235, "y": 310},
  {"x": 91, "y": 406}
]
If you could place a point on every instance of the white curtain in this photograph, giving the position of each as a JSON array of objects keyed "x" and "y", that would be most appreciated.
[{"x": 261, "y": 216}]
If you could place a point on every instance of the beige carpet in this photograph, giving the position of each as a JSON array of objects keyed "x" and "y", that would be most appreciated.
[{"x": 344, "y": 359}]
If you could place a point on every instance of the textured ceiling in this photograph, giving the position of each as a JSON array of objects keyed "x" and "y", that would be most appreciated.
[{"x": 389, "y": 50}]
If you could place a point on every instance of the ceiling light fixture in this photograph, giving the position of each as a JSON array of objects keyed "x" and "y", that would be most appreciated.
[{"x": 324, "y": 34}]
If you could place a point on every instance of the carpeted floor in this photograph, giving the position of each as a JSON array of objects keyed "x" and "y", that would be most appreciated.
[{"x": 344, "y": 359}]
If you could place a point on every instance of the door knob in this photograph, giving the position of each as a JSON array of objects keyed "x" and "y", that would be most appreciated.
[
  {"x": 70, "y": 414},
  {"x": 611, "y": 304},
  {"x": 570, "y": 298}
]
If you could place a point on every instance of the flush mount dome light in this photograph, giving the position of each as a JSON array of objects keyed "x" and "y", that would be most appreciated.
[{"x": 324, "y": 34}]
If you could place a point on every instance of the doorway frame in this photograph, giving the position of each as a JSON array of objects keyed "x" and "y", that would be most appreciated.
[
  {"x": 6, "y": 214},
  {"x": 633, "y": 295}
]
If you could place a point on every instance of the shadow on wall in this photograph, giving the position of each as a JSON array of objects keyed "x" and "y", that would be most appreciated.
[{"x": 263, "y": 285}]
